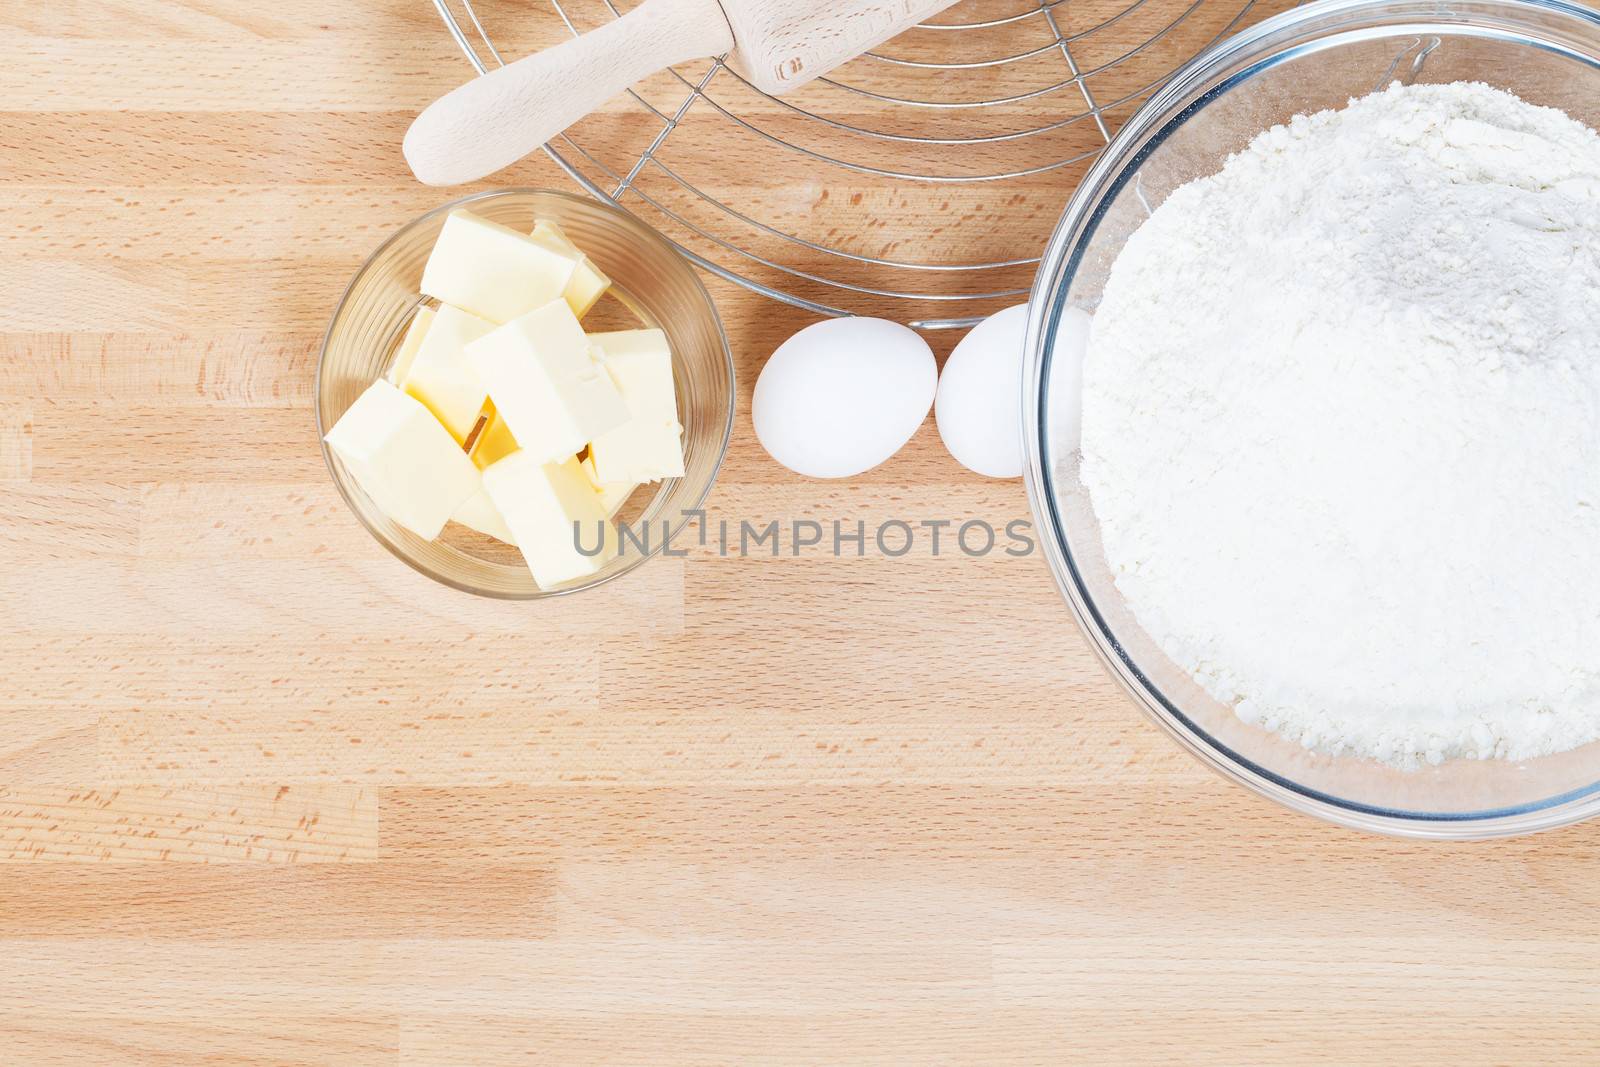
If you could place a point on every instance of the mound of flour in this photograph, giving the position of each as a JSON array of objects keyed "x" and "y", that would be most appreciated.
[{"x": 1341, "y": 427}]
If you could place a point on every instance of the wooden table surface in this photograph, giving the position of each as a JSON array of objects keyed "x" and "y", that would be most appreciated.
[{"x": 267, "y": 796}]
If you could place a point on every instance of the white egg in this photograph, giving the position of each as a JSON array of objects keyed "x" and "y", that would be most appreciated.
[
  {"x": 979, "y": 409},
  {"x": 843, "y": 395}
]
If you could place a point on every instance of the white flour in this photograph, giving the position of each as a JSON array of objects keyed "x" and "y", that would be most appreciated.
[{"x": 1341, "y": 428}]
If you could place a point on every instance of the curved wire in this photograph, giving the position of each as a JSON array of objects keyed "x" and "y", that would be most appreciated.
[
  {"x": 1019, "y": 98},
  {"x": 792, "y": 271},
  {"x": 991, "y": 23},
  {"x": 877, "y": 261},
  {"x": 1031, "y": 53},
  {"x": 1045, "y": 8},
  {"x": 1090, "y": 114}
]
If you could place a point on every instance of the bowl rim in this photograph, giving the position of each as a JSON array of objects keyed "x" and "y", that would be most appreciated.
[
  {"x": 1146, "y": 129},
  {"x": 650, "y": 233}
]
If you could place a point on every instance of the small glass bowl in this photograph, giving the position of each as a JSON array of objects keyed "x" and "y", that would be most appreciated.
[
  {"x": 1312, "y": 57},
  {"x": 652, "y": 285}
]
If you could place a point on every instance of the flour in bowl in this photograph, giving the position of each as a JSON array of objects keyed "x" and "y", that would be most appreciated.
[{"x": 1341, "y": 428}]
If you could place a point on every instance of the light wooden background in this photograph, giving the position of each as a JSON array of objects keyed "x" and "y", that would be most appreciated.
[{"x": 267, "y": 796}]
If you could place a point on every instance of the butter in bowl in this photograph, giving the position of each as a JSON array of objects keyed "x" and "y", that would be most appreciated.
[{"x": 487, "y": 432}]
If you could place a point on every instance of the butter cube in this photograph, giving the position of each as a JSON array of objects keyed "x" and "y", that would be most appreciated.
[
  {"x": 588, "y": 282},
  {"x": 409, "y": 344},
  {"x": 553, "y": 396},
  {"x": 649, "y": 445},
  {"x": 552, "y": 510},
  {"x": 439, "y": 375},
  {"x": 478, "y": 513},
  {"x": 612, "y": 494},
  {"x": 402, "y": 458},
  {"x": 492, "y": 270},
  {"x": 495, "y": 442}
]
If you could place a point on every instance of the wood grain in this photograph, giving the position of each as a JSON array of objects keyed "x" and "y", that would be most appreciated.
[
  {"x": 269, "y": 797},
  {"x": 267, "y": 824}
]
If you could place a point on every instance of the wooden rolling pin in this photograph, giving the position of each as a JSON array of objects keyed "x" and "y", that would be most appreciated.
[{"x": 776, "y": 45}]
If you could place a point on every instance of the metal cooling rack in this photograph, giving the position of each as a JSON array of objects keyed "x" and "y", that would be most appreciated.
[{"x": 916, "y": 181}]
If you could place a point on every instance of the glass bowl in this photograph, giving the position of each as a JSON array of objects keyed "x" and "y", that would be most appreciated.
[
  {"x": 1313, "y": 57},
  {"x": 652, "y": 285}
]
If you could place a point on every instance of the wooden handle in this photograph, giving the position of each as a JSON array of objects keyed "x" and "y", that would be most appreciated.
[
  {"x": 495, "y": 120},
  {"x": 783, "y": 44}
]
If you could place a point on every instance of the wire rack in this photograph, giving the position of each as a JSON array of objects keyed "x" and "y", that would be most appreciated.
[{"x": 919, "y": 181}]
